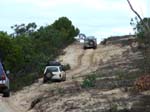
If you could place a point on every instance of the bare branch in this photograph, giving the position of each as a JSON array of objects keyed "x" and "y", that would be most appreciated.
[{"x": 138, "y": 15}]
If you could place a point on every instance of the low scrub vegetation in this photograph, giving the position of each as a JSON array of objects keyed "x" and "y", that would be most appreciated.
[
  {"x": 18, "y": 82},
  {"x": 89, "y": 81},
  {"x": 107, "y": 81},
  {"x": 142, "y": 83},
  {"x": 66, "y": 67}
]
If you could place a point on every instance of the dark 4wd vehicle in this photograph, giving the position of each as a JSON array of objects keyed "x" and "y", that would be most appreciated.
[
  {"x": 90, "y": 42},
  {"x": 4, "y": 82}
]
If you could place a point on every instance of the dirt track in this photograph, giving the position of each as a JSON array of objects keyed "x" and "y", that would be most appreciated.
[
  {"x": 4, "y": 107},
  {"x": 7, "y": 106},
  {"x": 81, "y": 61}
]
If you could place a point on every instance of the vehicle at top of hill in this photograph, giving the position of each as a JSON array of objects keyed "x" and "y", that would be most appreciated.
[{"x": 90, "y": 42}]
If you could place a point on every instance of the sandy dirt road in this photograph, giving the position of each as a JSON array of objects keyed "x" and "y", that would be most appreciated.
[{"x": 5, "y": 106}]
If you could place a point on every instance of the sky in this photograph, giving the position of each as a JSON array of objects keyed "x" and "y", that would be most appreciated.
[{"x": 99, "y": 18}]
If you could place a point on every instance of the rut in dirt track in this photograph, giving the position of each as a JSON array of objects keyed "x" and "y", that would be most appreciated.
[
  {"x": 85, "y": 62},
  {"x": 80, "y": 60}
]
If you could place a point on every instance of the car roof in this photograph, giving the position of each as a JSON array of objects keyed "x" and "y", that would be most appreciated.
[
  {"x": 53, "y": 63},
  {"x": 52, "y": 66},
  {"x": 90, "y": 37}
]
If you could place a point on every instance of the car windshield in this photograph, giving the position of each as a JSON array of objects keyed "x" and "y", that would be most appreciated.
[
  {"x": 52, "y": 69},
  {"x": 91, "y": 37}
]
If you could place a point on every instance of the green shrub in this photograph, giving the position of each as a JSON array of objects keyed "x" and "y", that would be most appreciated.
[
  {"x": 113, "y": 108},
  {"x": 89, "y": 81},
  {"x": 66, "y": 67},
  {"x": 18, "y": 82}
]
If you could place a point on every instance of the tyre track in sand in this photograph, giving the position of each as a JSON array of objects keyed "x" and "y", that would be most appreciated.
[
  {"x": 79, "y": 59},
  {"x": 85, "y": 63}
]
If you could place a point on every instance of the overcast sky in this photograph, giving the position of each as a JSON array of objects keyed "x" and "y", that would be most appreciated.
[{"x": 100, "y": 18}]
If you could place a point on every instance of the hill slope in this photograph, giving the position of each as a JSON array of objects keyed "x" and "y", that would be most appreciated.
[{"x": 69, "y": 95}]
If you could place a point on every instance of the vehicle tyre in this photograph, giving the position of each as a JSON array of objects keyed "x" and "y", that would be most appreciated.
[
  {"x": 47, "y": 77},
  {"x": 64, "y": 77},
  {"x": 84, "y": 48},
  {"x": 94, "y": 47},
  {"x": 6, "y": 93}
]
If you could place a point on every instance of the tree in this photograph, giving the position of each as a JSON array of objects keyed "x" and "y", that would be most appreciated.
[
  {"x": 143, "y": 34},
  {"x": 11, "y": 53},
  {"x": 67, "y": 30},
  {"x": 146, "y": 27},
  {"x": 23, "y": 29}
]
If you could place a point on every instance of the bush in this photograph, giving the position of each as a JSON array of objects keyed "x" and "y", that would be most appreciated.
[
  {"x": 66, "y": 67},
  {"x": 113, "y": 108},
  {"x": 18, "y": 82},
  {"x": 89, "y": 81},
  {"x": 142, "y": 83}
]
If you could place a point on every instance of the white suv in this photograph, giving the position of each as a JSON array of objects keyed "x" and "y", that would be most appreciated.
[
  {"x": 54, "y": 73},
  {"x": 4, "y": 82}
]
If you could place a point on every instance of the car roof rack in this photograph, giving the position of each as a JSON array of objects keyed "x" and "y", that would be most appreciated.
[{"x": 53, "y": 63}]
